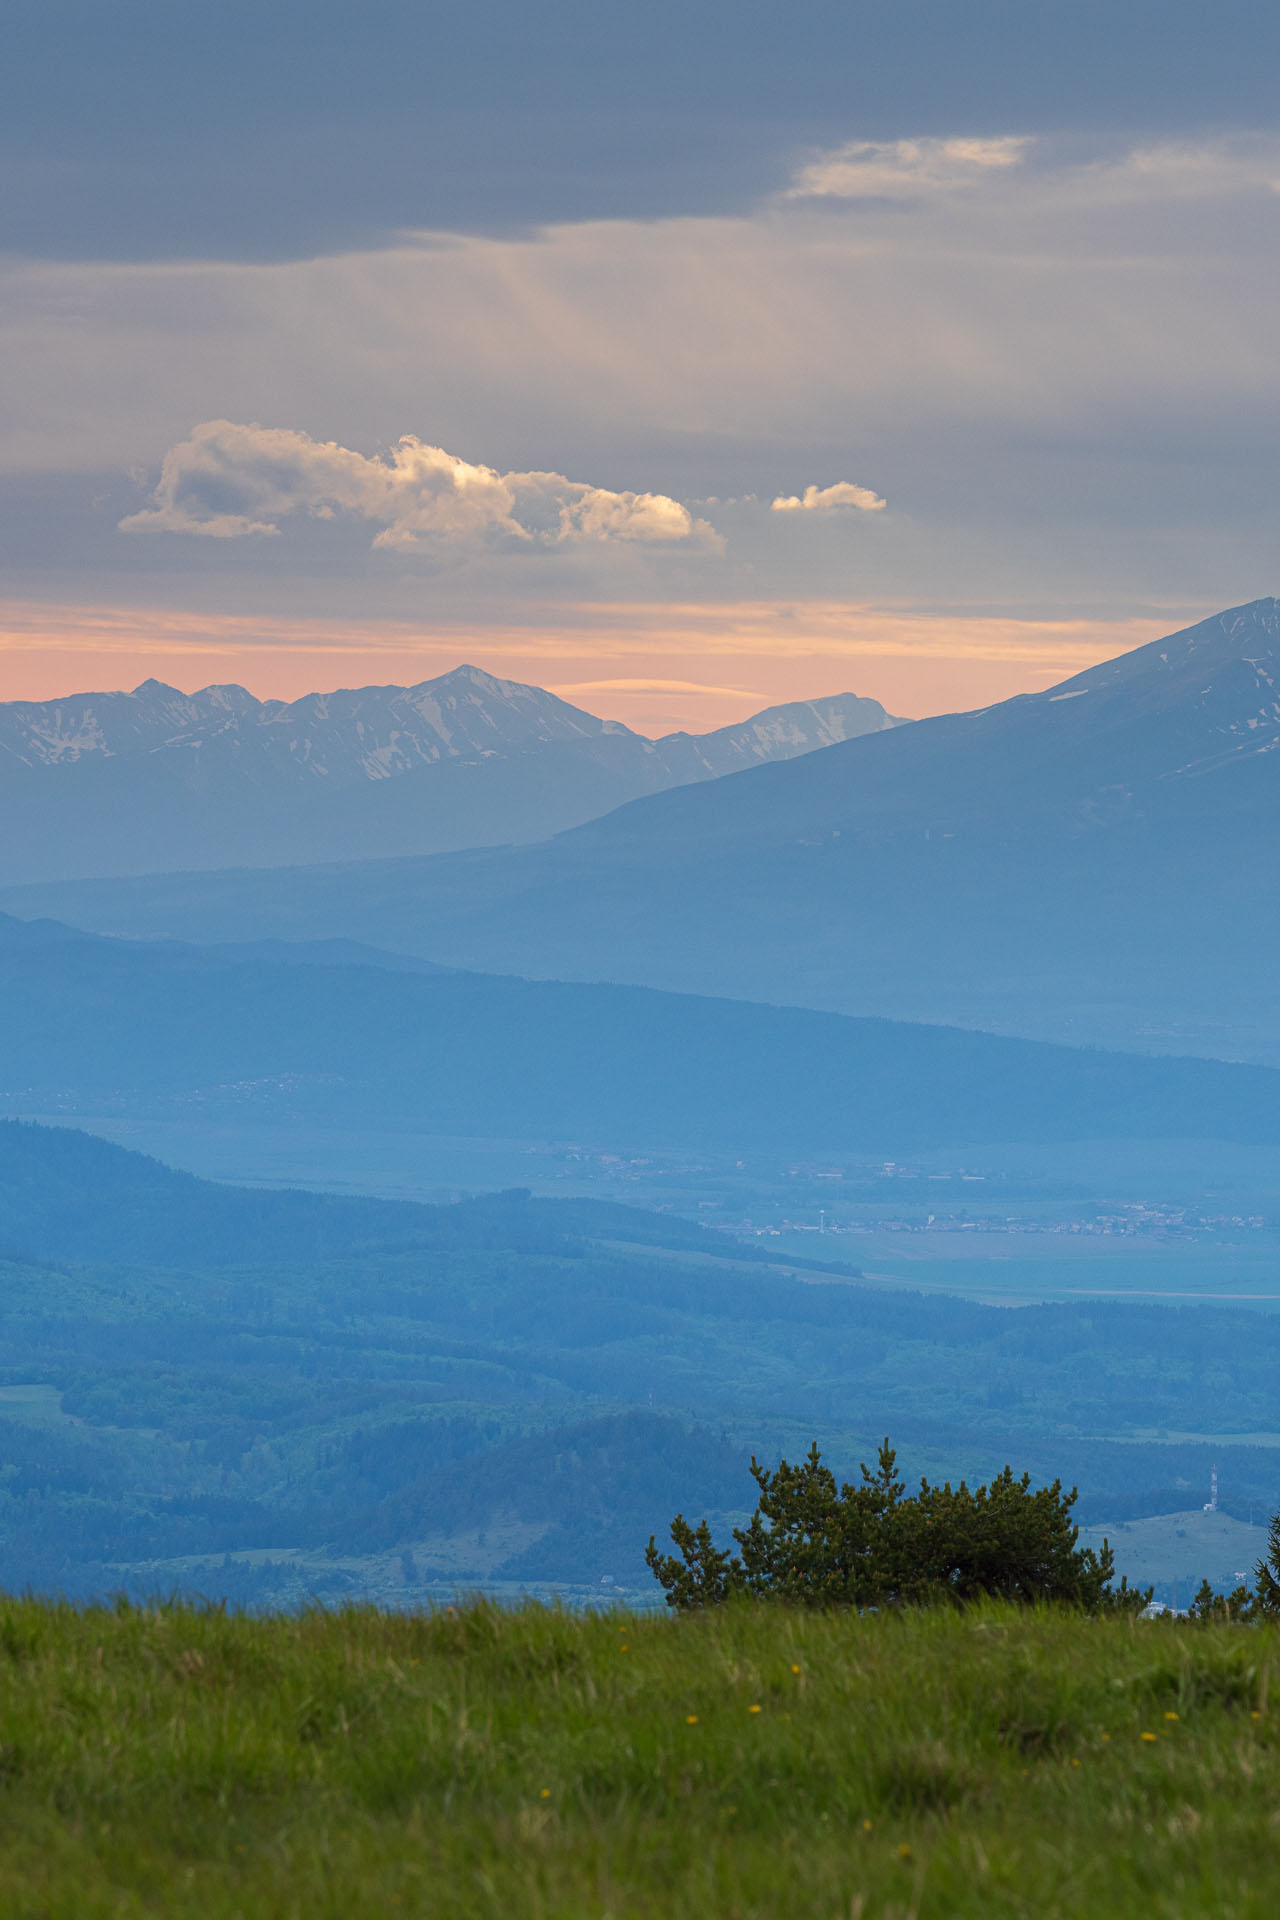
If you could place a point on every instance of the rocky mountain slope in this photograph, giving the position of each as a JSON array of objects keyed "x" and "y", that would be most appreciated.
[{"x": 135, "y": 782}]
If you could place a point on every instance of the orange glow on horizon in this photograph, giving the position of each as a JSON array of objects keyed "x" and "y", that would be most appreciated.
[{"x": 656, "y": 667}]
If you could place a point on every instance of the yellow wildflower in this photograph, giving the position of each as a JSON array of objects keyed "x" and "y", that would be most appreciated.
[
  {"x": 753, "y": 1709},
  {"x": 691, "y": 1719},
  {"x": 1150, "y": 1736},
  {"x": 1171, "y": 1716}
]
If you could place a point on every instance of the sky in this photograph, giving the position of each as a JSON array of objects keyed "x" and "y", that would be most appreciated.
[{"x": 685, "y": 358}]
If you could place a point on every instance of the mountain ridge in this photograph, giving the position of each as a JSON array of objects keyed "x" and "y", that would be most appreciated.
[
  {"x": 134, "y": 782},
  {"x": 1239, "y": 711}
]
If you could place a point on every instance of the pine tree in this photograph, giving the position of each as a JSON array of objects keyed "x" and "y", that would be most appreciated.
[
  {"x": 1267, "y": 1591},
  {"x": 816, "y": 1543},
  {"x": 704, "y": 1576}
]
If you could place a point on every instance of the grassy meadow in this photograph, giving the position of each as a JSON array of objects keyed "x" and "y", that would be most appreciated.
[{"x": 756, "y": 1762}]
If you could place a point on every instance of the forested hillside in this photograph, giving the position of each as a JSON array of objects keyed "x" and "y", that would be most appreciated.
[
  {"x": 112, "y": 1026},
  {"x": 521, "y": 1392},
  {"x": 69, "y": 1195}
]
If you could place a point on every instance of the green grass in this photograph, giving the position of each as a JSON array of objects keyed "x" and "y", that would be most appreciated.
[{"x": 180, "y": 1762}]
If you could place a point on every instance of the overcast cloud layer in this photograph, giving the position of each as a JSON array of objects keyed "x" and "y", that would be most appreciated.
[
  {"x": 1004, "y": 369},
  {"x": 238, "y": 130}
]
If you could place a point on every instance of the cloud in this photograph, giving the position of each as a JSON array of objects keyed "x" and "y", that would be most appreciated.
[
  {"x": 865, "y": 169},
  {"x": 565, "y": 688},
  {"x": 825, "y": 499},
  {"x": 227, "y": 482},
  {"x": 642, "y": 634}
]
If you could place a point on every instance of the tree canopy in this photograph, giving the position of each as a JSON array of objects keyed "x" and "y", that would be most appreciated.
[{"x": 816, "y": 1542}]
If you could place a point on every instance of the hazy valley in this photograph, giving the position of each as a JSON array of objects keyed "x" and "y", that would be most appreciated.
[
  {"x": 574, "y": 1247},
  {"x": 639, "y": 1010}
]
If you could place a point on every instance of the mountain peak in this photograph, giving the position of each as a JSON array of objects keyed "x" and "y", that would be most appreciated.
[
  {"x": 466, "y": 674},
  {"x": 227, "y": 691},
  {"x": 1265, "y": 609},
  {"x": 1224, "y": 671},
  {"x": 149, "y": 689}
]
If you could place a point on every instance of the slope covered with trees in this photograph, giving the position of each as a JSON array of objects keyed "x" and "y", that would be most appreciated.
[{"x": 111, "y": 1026}]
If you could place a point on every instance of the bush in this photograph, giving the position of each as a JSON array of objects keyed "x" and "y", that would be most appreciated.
[{"x": 815, "y": 1543}]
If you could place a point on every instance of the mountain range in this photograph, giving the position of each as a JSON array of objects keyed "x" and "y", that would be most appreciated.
[
  {"x": 91, "y": 1025},
  {"x": 107, "y": 783},
  {"x": 1093, "y": 864}
]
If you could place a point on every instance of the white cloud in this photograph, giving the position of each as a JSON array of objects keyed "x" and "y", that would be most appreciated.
[
  {"x": 228, "y": 481},
  {"x": 876, "y": 168},
  {"x": 597, "y": 514},
  {"x": 824, "y": 499}
]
